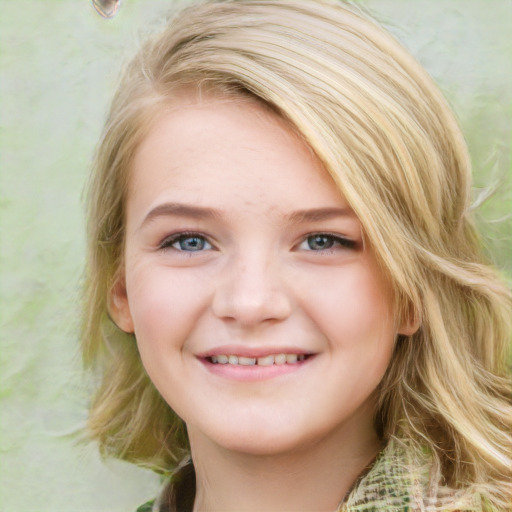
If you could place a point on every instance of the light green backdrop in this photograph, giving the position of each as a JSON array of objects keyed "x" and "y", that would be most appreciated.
[{"x": 58, "y": 66}]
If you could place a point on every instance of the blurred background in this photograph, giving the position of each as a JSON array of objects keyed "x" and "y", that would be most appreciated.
[{"x": 59, "y": 62}]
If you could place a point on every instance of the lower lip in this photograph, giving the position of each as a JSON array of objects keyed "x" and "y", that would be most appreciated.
[{"x": 253, "y": 372}]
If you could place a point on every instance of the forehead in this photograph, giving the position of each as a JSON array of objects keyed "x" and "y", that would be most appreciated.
[{"x": 217, "y": 149}]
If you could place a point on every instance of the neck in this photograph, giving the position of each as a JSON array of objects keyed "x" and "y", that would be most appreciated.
[{"x": 314, "y": 477}]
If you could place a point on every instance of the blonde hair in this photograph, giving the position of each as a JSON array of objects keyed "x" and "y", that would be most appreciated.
[{"x": 390, "y": 142}]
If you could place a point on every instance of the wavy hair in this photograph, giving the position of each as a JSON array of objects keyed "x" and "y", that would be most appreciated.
[{"x": 389, "y": 140}]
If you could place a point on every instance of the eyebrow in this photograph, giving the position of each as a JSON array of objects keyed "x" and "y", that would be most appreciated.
[
  {"x": 201, "y": 212},
  {"x": 319, "y": 214},
  {"x": 180, "y": 210}
]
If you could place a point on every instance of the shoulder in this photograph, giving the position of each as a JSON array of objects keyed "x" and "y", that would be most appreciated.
[{"x": 405, "y": 480}]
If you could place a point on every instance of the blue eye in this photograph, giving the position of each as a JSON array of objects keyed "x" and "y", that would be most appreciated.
[
  {"x": 323, "y": 242},
  {"x": 188, "y": 242}
]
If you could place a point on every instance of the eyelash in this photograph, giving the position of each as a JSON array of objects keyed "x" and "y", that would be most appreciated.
[
  {"x": 335, "y": 241},
  {"x": 168, "y": 242}
]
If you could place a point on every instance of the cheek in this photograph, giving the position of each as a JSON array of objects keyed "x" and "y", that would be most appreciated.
[
  {"x": 165, "y": 309},
  {"x": 352, "y": 307},
  {"x": 164, "y": 305},
  {"x": 352, "y": 300}
]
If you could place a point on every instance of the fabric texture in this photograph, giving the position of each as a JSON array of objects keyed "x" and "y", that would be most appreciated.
[
  {"x": 147, "y": 507},
  {"x": 404, "y": 480},
  {"x": 400, "y": 480}
]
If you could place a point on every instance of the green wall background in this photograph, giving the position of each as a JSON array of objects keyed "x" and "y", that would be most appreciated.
[{"x": 58, "y": 66}]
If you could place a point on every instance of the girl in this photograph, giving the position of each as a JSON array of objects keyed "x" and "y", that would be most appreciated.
[{"x": 286, "y": 298}]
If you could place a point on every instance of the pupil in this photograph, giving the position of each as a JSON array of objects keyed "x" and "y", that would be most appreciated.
[
  {"x": 193, "y": 243},
  {"x": 320, "y": 242}
]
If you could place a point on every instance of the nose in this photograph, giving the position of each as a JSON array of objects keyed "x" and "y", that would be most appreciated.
[{"x": 252, "y": 291}]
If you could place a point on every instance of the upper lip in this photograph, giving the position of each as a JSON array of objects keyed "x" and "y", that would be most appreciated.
[{"x": 247, "y": 351}]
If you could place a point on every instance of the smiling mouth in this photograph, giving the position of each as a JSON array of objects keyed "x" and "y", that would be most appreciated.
[{"x": 268, "y": 360}]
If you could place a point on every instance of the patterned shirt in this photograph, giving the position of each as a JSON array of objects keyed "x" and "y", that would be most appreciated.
[{"x": 399, "y": 480}]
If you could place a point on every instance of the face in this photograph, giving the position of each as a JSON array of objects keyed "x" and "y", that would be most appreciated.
[{"x": 260, "y": 315}]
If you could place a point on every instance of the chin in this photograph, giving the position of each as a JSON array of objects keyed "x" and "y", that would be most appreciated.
[
  {"x": 266, "y": 438},
  {"x": 267, "y": 446}
]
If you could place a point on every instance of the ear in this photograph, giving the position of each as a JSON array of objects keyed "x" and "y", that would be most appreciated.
[
  {"x": 411, "y": 323},
  {"x": 118, "y": 305}
]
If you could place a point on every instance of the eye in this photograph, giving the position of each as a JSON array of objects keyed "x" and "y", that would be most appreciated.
[
  {"x": 187, "y": 242},
  {"x": 323, "y": 242}
]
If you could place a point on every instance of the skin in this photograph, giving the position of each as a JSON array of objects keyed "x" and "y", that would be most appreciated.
[{"x": 237, "y": 240}]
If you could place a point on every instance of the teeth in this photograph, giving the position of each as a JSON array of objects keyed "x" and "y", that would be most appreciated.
[
  {"x": 266, "y": 361},
  {"x": 246, "y": 361},
  {"x": 278, "y": 359}
]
